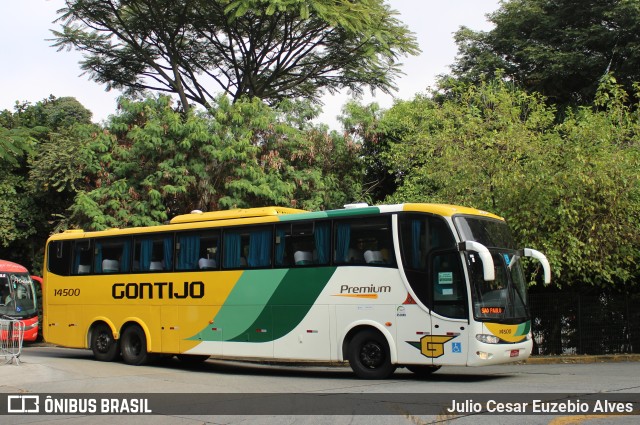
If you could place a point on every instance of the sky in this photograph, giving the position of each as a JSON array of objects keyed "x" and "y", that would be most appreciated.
[{"x": 31, "y": 70}]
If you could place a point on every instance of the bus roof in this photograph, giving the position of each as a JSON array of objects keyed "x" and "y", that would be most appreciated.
[
  {"x": 286, "y": 214},
  {"x": 197, "y": 215},
  {"x": 281, "y": 214},
  {"x": 10, "y": 267}
]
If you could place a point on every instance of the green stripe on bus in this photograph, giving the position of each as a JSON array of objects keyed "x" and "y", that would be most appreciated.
[
  {"x": 289, "y": 304},
  {"x": 524, "y": 328},
  {"x": 349, "y": 212},
  {"x": 303, "y": 216},
  {"x": 243, "y": 305},
  {"x": 353, "y": 211}
]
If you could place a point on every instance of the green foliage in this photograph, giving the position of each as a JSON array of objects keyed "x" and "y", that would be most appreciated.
[
  {"x": 39, "y": 156},
  {"x": 568, "y": 189},
  {"x": 269, "y": 49},
  {"x": 559, "y": 48},
  {"x": 363, "y": 124},
  {"x": 152, "y": 163}
]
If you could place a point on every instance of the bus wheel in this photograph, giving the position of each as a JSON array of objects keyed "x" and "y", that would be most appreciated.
[
  {"x": 134, "y": 346},
  {"x": 422, "y": 371},
  {"x": 369, "y": 355},
  {"x": 104, "y": 346}
]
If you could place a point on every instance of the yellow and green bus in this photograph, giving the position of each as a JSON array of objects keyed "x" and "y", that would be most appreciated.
[{"x": 409, "y": 285}]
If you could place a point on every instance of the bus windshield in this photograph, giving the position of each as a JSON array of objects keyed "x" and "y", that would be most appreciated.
[
  {"x": 505, "y": 298},
  {"x": 17, "y": 295}
]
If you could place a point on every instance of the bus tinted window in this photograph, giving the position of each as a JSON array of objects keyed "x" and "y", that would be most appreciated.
[
  {"x": 247, "y": 248},
  {"x": 153, "y": 253},
  {"x": 420, "y": 235},
  {"x": 112, "y": 255},
  {"x": 197, "y": 250},
  {"x": 303, "y": 244},
  {"x": 59, "y": 256},
  {"x": 82, "y": 257},
  {"x": 363, "y": 241}
]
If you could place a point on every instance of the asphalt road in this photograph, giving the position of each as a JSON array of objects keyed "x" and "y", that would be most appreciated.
[{"x": 52, "y": 370}]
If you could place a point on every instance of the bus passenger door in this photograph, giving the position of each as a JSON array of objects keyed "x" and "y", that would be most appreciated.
[
  {"x": 450, "y": 312},
  {"x": 414, "y": 322}
]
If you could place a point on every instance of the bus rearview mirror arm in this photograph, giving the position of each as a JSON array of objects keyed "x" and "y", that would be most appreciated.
[
  {"x": 528, "y": 252},
  {"x": 488, "y": 269}
]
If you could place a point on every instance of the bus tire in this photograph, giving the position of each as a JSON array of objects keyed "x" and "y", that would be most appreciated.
[
  {"x": 369, "y": 355},
  {"x": 104, "y": 346},
  {"x": 134, "y": 346},
  {"x": 422, "y": 371}
]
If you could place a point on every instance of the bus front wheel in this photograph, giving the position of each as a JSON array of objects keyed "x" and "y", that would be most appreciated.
[
  {"x": 369, "y": 355},
  {"x": 134, "y": 346},
  {"x": 104, "y": 346}
]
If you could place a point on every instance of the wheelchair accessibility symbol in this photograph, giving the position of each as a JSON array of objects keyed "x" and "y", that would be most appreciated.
[{"x": 456, "y": 347}]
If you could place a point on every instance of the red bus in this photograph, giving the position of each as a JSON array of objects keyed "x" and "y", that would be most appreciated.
[{"x": 18, "y": 297}]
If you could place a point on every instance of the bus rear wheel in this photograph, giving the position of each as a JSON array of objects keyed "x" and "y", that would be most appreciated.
[
  {"x": 369, "y": 355},
  {"x": 104, "y": 346},
  {"x": 134, "y": 346}
]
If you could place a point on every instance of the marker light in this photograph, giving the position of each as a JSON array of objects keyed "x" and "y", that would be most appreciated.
[{"x": 484, "y": 356}]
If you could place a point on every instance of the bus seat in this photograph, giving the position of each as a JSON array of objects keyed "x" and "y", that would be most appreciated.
[
  {"x": 110, "y": 266},
  {"x": 84, "y": 268},
  {"x": 373, "y": 257},
  {"x": 206, "y": 264},
  {"x": 302, "y": 258},
  {"x": 155, "y": 266}
]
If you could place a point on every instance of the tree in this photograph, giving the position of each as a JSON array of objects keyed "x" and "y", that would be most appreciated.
[
  {"x": 34, "y": 172},
  {"x": 269, "y": 49},
  {"x": 559, "y": 48},
  {"x": 151, "y": 162},
  {"x": 362, "y": 122},
  {"x": 570, "y": 189}
]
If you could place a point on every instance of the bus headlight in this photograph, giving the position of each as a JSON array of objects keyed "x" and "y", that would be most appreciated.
[{"x": 488, "y": 339}]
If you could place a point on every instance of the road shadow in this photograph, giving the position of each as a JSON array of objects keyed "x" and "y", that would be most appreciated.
[{"x": 272, "y": 368}]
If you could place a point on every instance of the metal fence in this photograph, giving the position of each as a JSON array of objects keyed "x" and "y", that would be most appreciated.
[
  {"x": 587, "y": 321},
  {"x": 11, "y": 336}
]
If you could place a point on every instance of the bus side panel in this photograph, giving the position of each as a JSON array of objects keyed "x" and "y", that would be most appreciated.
[
  {"x": 191, "y": 320},
  {"x": 310, "y": 340},
  {"x": 169, "y": 329},
  {"x": 368, "y": 315},
  {"x": 414, "y": 330}
]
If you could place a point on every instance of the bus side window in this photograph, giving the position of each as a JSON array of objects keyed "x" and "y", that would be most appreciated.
[
  {"x": 363, "y": 241},
  {"x": 197, "y": 251},
  {"x": 59, "y": 257},
  {"x": 82, "y": 256},
  {"x": 259, "y": 251},
  {"x": 112, "y": 255},
  {"x": 151, "y": 253}
]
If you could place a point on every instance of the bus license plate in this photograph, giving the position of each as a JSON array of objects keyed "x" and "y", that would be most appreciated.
[{"x": 515, "y": 353}]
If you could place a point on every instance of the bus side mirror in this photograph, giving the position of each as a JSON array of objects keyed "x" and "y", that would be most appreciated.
[
  {"x": 488, "y": 270},
  {"x": 528, "y": 252}
]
